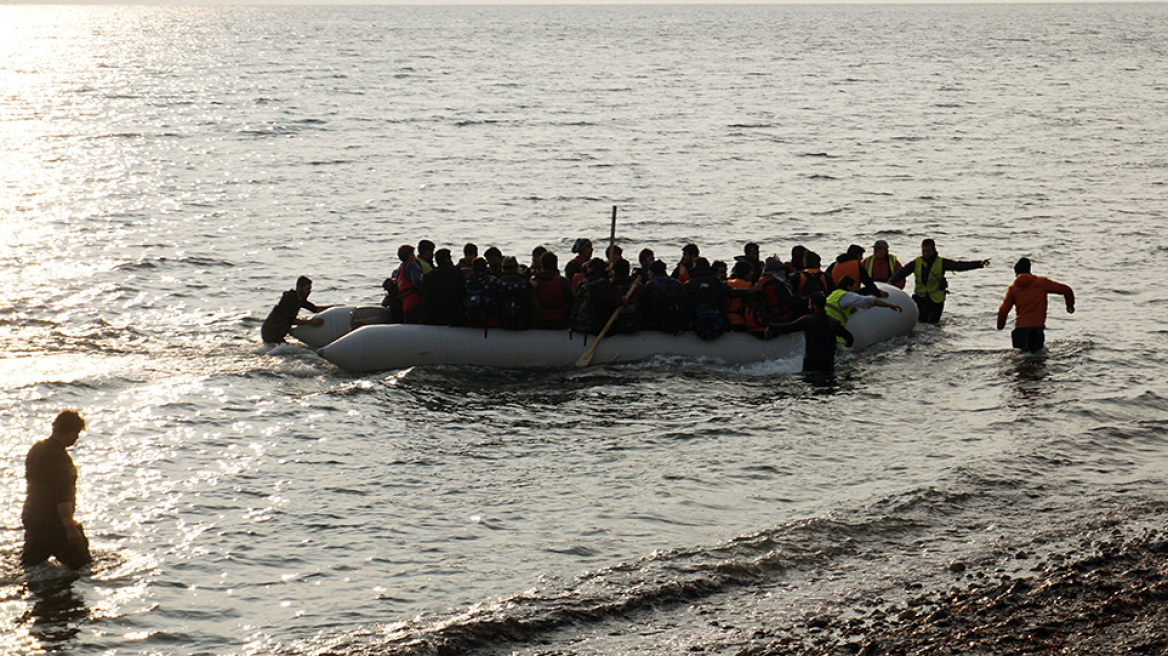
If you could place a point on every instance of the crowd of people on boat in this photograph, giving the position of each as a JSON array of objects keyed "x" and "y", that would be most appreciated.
[{"x": 750, "y": 295}]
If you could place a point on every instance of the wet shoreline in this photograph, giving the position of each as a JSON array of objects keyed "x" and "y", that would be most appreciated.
[
  {"x": 1108, "y": 598},
  {"x": 1093, "y": 586}
]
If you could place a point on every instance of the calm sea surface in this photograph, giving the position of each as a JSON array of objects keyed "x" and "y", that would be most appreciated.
[{"x": 168, "y": 172}]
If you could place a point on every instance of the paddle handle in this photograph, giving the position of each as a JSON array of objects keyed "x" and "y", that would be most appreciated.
[{"x": 612, "y": 236}]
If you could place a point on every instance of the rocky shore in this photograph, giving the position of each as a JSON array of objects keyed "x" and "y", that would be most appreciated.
[{"x": 1108, "y": 597}]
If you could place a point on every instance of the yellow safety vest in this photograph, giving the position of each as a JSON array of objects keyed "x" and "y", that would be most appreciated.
[
  {"x": 870, "y": 264},
  {"x": 836, "y": 312},
  {"x": 930, "y": 284}
]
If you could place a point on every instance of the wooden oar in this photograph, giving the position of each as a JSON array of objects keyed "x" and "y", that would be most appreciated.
[{"x": 586, "y": 357}]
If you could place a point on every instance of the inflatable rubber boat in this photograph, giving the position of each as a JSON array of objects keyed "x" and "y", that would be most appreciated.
[{"x": 382, "y": 347}]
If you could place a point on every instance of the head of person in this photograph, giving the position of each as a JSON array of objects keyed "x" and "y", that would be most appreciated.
[
  {"x": 536, "y": 254},
  {"x": 470, "y": 251},
  {"x": 646, "y": 257},
  {"x": 719, "y": 269},
  {"x": 549, "y": 262},
  {"x": 443, "y": 257},
  {"x": 67, "y": 426},
  {"x": 798, "y": 253},
  {"x": 817, "y": 302},
  {"x": 880, "y": 249},
  {"x": 928, "y": 249},
  {"x": 774, "y": 267},
  {"x": 303, "y": 286},
  {"x": 742, "y": 270},
  {"x": 689, "y": 253},
  {"x": 583, "y": 248},
  {"x": 614, "y": 253},
  {"x": 701, "y": 267},
  {"x": 596, "y": 266},
  {"x": 478, "y": 265},
  {"x": 494, "y": 256},
  {"x": 846, "y": 283},
  {"x": 811, "y": 260},
  {"x": 405, "y": 253},
  {"x": 510, "y": 264},
  {"x": 620, "y": 270},
  {"x": 855, "y": 252},
  {"x": 1022, "y": 266},
  {"x": 426, "y": 249},
  {"x": 658, "y": 270},
  {"x": 751, "y": 252}
]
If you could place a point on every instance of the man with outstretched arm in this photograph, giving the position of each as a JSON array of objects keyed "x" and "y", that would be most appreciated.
[
  {"x": 1028, "y": 294},
  {"x": 929, "y": 270}
]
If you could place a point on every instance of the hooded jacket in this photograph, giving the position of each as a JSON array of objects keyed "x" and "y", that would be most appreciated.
[{"x": 1028, "y": 294}]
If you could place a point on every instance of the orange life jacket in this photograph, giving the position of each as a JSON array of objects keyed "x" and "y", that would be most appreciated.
[
  {"x": 850, "y": 269},
  {"x": 411, "y": 296},
  {"x": 813, "y": 274},
  {"x": 735, "y": 303}
]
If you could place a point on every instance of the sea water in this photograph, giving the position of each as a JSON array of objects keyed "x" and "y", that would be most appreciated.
[{"x": 169, "y": 172}]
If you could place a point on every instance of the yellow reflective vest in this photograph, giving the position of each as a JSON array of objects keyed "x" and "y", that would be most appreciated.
[
  {"x": 930, "y": 283},
  {"x": 836, "y": 312}
]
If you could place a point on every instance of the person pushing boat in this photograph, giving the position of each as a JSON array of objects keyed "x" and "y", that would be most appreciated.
[
  {"x": 282, "y": 317},
  {"x": 820, "y": 332}
]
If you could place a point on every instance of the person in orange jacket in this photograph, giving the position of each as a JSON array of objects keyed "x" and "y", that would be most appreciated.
[{"x": 1028, "y": 294}]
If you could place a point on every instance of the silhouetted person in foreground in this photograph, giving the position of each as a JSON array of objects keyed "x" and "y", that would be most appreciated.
[{"x": 49, "y": 527}]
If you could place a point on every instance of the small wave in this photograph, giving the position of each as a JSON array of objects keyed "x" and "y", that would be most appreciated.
[
  {"x": 117, "y": 135},
  {"x": 464, "y": 123},
  {"x": 269, "y": 131},
  {"x": 157, "y": 262}
]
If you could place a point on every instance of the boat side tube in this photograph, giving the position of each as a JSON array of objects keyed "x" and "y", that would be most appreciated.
[
  {"x": 876, "y": 324},
  {"x": 338, "y": 321}
]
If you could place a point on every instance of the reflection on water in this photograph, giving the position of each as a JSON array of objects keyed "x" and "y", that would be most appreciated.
[
  {"x": 42, "y": 605},
  {"x": 1030, "y": 377},
  {"x": 55, "y": 609}
]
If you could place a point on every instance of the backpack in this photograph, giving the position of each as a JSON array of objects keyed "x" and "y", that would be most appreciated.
[
  {"x": 582, "y": 318},
  {"x": 709, "y": 324},
  {"x": 514, "y": 311},
  {"x": 392, "y": 301},
  {"x": 670, "y": 305},
  {"x": 811, "y": 283},
  {"x": 476, "y": 305},
  {"x": 629, "y": 319}
]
